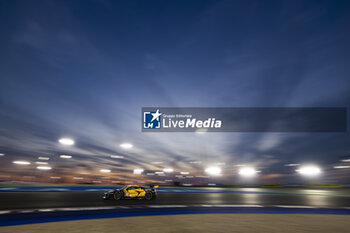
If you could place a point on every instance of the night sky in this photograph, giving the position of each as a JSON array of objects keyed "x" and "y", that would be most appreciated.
[{"x": 84, "y": 69}]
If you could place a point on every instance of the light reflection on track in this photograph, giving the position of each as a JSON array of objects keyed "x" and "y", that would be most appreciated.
[{"x": 40, "y": 200}]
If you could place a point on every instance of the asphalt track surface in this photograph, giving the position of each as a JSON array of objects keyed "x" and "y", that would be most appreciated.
[
  {"x": 18, "y": 208},
  {"x": 42, "y": 200}
]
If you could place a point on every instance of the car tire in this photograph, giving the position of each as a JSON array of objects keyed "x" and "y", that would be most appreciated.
[
  {"x": 148, "y": 196},
  {"x": 118, "y": 195}
]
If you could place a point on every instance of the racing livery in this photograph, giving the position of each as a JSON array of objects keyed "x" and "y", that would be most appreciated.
[{"x": 132, "y": 192}]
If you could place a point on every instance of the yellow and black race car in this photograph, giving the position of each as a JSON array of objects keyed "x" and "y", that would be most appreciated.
[{"x": 132, "y": 192}]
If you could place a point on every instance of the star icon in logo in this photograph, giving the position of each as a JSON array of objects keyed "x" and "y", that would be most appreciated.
[{"x": 156, "y": 115}]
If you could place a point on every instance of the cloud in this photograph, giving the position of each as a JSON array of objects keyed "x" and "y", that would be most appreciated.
[{"x": 84, "y": 74}]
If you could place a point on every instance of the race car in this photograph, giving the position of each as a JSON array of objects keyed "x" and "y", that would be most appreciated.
[{"x": 132, "y": 192}]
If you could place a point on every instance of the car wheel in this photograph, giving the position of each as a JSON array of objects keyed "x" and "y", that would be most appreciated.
[
  {"x": 118, "y": 195},
  {"x": 148, "y": 196}
]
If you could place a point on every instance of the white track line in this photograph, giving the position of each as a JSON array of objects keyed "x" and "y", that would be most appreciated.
[
  {"x": 5, "y": 211},
  {"x": 168, "y": 206},
  {"x": 232, "y": 206},
  {"x": 160, "y": 206},
  {"x": 297, "y": 206}
]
